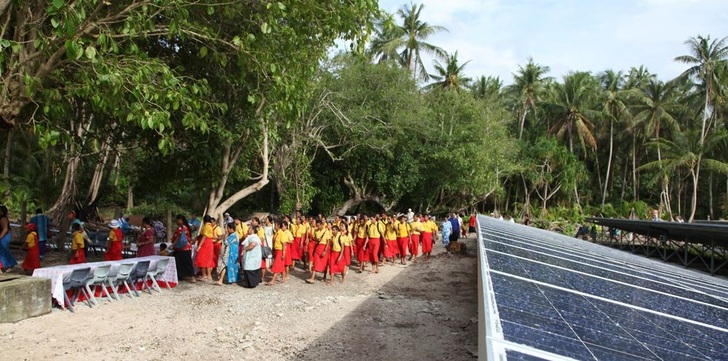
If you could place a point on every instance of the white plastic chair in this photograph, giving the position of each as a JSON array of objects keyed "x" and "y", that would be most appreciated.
[
  {"x": 139, "y": 274},
  {"x": 122, "y": 277},
  {"x": 101, "y": 274},
  {"x": 155, "y": 272}
]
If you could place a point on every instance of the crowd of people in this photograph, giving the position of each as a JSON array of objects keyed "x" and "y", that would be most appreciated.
[{"x": 261, "y": 251}]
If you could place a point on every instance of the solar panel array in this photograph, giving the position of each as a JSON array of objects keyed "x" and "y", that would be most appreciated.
[{"x": 552, "y": 297}]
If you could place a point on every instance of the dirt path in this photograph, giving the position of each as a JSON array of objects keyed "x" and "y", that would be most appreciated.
[{"x": 421, "y": 311}]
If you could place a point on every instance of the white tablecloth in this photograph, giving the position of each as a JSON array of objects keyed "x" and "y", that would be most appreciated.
[{"x": 58, "y": 273}]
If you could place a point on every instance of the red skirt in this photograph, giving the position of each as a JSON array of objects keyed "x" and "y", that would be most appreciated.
[
  {"x": 336, "y": 265},
  {"x": 320, "y": 261},
  {"x": 373, "y": 250},
  {"x": 347, "y": 255},
  {"x": 297, "y": 249},
  {"x": 289, "y": 257},
  {"x": 32, "y": 259},
  {"x": 279, "y": 264},
  {"x": 391, "y": 248},
  {"x": 426, "y": 242},
  {"x": 79, "y": 256},
  {"x": 204, "y": 259},
  {"x": 361, "y": 254},
  {"x": 402, "y": 243},
  {"x": 311, "y": 250},
  {"x": 263, "y": 264},
  {"x": 114, "y": 251},
  {"x": 414, "y": 246},
  {"x": 216, "y": 250}
]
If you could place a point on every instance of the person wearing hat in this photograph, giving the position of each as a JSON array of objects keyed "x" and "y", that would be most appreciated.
[
  {"x": 32, "y": 259},
  {"x": 114, "y": 244}
]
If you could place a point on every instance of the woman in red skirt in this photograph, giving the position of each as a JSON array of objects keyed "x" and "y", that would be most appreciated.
[
  {"x": 416, "y": 231},
  {"x": 428, "y": 236},
  {"x": 279, "y": 252},
  {"x": 390, "y": 240},
  {"x": 337, "y": 263},
  {"x": 32, "y": 259},
  {"x": 204, "y": 258},
  {"x": 78, "y": 255},
  {"x": 320, "y": 260},
  {"x": 296, "y": 247},
  {"x": 403, "y": 237},
  {"x": 362, "y": 256},
  {"x": 115, "y": 243},
  {"x": 288, "y": 245},
  {"x": 311, "y": 242},
  {"x": 346, "y": 243}
]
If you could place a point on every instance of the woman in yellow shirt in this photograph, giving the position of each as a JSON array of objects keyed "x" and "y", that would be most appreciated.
[
  {"x": 404, "y": 238},
  {"x": 416, "y": 231},
  {"x": 204, "y": 258},
  {"x": 320, "y": 260},
  {"x": 390, "y": 240},
  {"x": 336, "y": 259},
  {"x": 77, "y": 253},
  {"x": 280, "y": 238},
  {"x": 362, "y": 256},
  {"x": 346, "y": 243},
  {"x": 32, "y": 259},
  {"x": 428, "y": 236}
]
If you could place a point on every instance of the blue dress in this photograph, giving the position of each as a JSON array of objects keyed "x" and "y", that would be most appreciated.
[
  {"x": 232, "y": 258},
  {"x": 446, "y": 230},
  {"x": 6, "y": 257}
]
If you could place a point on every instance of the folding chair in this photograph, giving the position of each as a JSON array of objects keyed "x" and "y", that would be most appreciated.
[
  {"x": 101, "y": 274},
  {"x": 139, "y": 274},
  {"x": 122, "y": 277},
  {"x": 155, "y": 272},
  {"x": 77, "y": 282}
]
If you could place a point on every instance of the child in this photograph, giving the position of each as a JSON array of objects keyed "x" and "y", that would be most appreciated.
[
  {"x": 77, "y": 252},
  {"x": 163, "y": 250},
  {"x": 32, "y": 260}
]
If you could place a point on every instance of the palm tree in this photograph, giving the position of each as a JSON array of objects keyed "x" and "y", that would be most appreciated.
[
  {"x": 614, "y": 109},
  {"x": 656, "y": 104},
  {"x": 450, "y": 75},
  {"x": 486, "y": 87},
  {"x": 705, "y": 59},
  {"x": 687, "y": 150},
  {"x": 572, "y": 103},
  {"x": 415, "y": 33},
  {"x": 638, "y": 77},
  {"x": 528, "y": 85},
  {"x": 387, "y": 40}
]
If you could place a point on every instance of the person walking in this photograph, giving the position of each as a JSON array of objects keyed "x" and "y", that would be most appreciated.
[
  {"x": 337, "y": 263},
  {"x": 251, "y": 258},
  {"x": 404, "y": 238},
  {"x": 204, "y": 260},
  {"x": 229, "y": 266},
  {"x": 115, "y": 242},
  {"x": 280, "y": 239},
  {"x": 7, "y": 261},
  {"x": 322, "y": 237},
  {"x": 145, "y": 243},
  {"x": 32, "y": 258},
  {"x": 41, "y": 222},
  {"x": 182, "y": 246}
]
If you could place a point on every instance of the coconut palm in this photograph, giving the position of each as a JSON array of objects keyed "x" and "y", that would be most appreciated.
[
  {"x": 387, "y": 40},
  {"x": 415, "y": 33},
  {"x": 614, "y": 109},
  {"x": 527, "y": 88},
  {"x": 486, "y": 87},
  {"x": 450, "y": 75},
  {"x": 572, "y": 104},
  {"x": 705, "y": 58},
  {"x": 688, "y": 151}
]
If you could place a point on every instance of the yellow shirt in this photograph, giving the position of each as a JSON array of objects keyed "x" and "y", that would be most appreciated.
[
  {"x": 218, "y": 233},
  {"x": 207, "y": 231},
  {"x": 280, "y": 238},
  {"x": 30, "y": 239},
  {"x": 288, "y": 236},
  {"x": 361, "y": 231},
  {"x": 77, "y": 241},
  {"x": 336, "y": 243},
  {"x": 416, "y": 227},
  {"x": 112, "y": 236},
  {"x": 242, "y": 230},
  {"x": 390, "y": 233},
  {"x": 431, "y": 226},
  {"x": 301, "y": 230},
  {"x": 261, "y": 233},
  {"x": 403, "y": 229},
  {"x": 323, "y": 236},
  {"x": 346, "y": 240},
  {"x": 374, "y": 228}
]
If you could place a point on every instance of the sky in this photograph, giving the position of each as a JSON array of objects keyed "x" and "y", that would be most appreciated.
[{"x": 497, "y": 36}]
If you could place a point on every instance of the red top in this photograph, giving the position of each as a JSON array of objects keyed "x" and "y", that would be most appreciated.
[
  {"x": 178, "y": 233},
  {"x": 472, "y": 221}
]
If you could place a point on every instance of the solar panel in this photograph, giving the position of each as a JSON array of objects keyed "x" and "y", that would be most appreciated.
[{"x": 552, "y": 297}]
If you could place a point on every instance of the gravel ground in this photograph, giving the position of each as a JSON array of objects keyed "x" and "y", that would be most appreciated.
[{"x": 420, "y": 311}]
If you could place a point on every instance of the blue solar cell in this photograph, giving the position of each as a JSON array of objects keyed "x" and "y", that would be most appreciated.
[
  {"x": 572, "y": 313},
  {"x": 520, "y": 356}
]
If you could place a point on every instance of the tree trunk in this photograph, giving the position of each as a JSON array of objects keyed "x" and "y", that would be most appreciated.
[
  {"x": 130, "y": 189},
  {"x": 634, "y": 168},
  {"x": 6, "y": 163},
  {"x": 710, "y": 195},
  {"x": 523, "y": 120},
  {"x": 695, "y": 174},
  {"x": 609, "y": 162},
  {"x": 64, "y": 204}
]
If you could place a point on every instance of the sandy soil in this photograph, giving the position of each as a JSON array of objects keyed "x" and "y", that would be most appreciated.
[{"x": 420, "y": 311}]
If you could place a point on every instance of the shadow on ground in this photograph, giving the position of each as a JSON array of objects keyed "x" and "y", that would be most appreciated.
[{"x": 428, "y": 311}]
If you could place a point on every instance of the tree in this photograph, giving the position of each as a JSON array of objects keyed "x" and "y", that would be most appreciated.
[
  {"x": 527, "y": 88},
  {"x": 656, "y": 104},
  {"x": 687, "y": 150},
  {"x": 572, "y": 105},
  {"x": 705, "y": 58},
  {"x": 416, "y": 31},
  {"x": 615, "y": 109},
  {"x": 449, "y": 76},
  {"x": 487, "y": 87},
  {"x": 387, "y": 40}
]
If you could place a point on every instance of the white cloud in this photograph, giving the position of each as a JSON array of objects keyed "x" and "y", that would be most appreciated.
[{"x": 569, "y": 35}]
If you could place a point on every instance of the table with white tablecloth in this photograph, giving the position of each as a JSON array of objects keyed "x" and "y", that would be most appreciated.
[{"x": 58, "y": 273}]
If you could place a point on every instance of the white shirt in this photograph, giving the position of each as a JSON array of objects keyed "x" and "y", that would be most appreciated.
[{"x": 252, "y": 259}]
